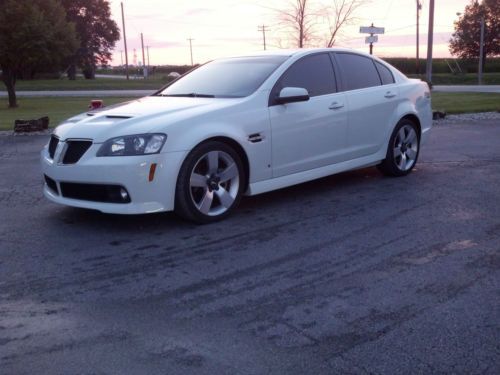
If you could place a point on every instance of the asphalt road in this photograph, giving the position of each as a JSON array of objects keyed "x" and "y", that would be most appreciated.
[
  {"x": 466, "y": 88},
  {"x": 351, "y": 274},
  {"x": 133, "y": 93}
]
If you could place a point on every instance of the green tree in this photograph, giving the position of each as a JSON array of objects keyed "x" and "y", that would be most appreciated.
[
  {"x": 466, "y": 38},
  {"x": 96, "y": 31},
  {"x": 32, "y": 33}
]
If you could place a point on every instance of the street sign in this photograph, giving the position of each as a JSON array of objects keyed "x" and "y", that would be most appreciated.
[
  {"x": 371, "y": 39},
  {"x": 371, "y": 30}
]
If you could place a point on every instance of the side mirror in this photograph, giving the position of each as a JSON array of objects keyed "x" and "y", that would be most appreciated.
[{"x": 292, "y": 95}]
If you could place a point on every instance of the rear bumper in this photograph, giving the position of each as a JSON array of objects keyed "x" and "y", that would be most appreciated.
[{"x": 424, "y": 137}]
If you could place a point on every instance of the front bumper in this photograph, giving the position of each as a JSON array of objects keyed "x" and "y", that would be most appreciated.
[{"x": 131, "y": 172}]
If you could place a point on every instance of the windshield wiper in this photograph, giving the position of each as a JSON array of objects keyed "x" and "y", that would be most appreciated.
[{"x": 191, "y": 95}]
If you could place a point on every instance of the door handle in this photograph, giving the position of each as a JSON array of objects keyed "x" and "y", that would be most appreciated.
[
  {"x": 389, "y": 94},
  {"x": 335, "y": 105}
]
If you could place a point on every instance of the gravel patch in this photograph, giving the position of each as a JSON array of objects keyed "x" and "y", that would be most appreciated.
[
  {"x": 5, "y": 133},
  {"x": 468, "y": 117}
]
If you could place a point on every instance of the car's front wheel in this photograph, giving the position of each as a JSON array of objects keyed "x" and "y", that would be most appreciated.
[
  {"x": 210, "y": 183},
  {"x": 402, "y": 151}
]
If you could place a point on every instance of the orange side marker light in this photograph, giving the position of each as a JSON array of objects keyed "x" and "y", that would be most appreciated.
[{"x": 152, "y": 171}]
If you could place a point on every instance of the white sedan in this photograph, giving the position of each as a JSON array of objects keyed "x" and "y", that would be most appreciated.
[{"x": 239, "y": 126}]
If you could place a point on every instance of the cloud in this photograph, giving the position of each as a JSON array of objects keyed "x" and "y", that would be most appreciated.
[
  {"x": 410, "y": 38},
  {"x": 197, "y": 12},
  {"x": 398, "y": 40}
]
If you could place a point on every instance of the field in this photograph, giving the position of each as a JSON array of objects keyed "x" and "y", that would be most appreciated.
[
  {"x": 462, "y": 79},
  {"x": 59, "y": 108},
  {"x": 156, "y": 82},
  {"x": 460, "y": 102},
  {"x": 152, "y": 83}
]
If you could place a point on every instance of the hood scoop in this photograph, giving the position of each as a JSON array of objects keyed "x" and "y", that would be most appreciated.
[
  {"x": 119, "y": 116},
  {"x": 101, "y": 119}
]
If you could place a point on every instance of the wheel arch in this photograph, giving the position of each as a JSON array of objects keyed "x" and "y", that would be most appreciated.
[
  {"x": 239, "y": 150},
  {"x": 413, "y": 118}
]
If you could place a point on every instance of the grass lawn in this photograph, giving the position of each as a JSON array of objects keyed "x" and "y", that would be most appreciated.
[
  {"x": 464, "y": 79},
  {"x": 461, "y": 102},
  {"x": 156, "y": 82},
  {"x": 152, "y": 83},
  {"x": 57, "y": 109}
]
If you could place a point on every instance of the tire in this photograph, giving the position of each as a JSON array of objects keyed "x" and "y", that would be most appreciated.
[
  {"x": 210, "y": 183},
  {"x": 402, "y": 150}
]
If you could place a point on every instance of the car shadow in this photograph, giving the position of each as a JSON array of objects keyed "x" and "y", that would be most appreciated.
[
  {"x": 250, "y": 208},
  {"x": 307, "y": 190}
]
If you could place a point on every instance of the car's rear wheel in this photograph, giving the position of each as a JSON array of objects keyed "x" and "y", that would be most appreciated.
[
  {"x": 210, "y": 183},
  {"x": 402, "y": 151}
]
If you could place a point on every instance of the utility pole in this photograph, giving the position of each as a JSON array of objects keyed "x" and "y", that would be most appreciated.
[
  {"x": 429, "y": 42},
  {"x": 144, "y": 69},
  {"x": 263, "y": 28},
  {"x": 417, "y": 63},
  {"x": 371, "y": 43},
  {"x": 481, "y": 51},
  {"x": 191, "y": 49},
  {"x": 125, "y": 42},
  {"x": 147, "y": 53}
]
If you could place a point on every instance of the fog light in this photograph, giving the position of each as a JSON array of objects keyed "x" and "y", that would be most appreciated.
[{"x": 124, "y": 194}]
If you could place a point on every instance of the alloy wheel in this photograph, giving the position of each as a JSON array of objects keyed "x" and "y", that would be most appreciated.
[
  {"x": 405, "y": 148},
  {"x": 214, "y": 183}
]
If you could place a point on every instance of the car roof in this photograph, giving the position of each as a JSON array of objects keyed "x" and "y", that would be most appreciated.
[{"x": 297, "y": 52}]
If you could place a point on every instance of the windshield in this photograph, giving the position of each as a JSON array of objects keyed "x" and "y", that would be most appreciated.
[{"x": 228, "y": 78}]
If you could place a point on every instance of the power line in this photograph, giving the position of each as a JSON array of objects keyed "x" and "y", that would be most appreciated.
[
  {"x": 263, "y": 28},
  {"x": 388, "y": 10}
]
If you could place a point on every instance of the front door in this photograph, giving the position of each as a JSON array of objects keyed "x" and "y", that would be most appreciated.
[{"x": 313, "y": 133}]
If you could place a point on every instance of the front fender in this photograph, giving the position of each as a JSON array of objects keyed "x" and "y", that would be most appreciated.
[{"x": 237, "y": 127}]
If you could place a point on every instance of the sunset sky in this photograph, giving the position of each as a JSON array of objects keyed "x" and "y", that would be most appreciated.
[{"x": 229, "y": 27}]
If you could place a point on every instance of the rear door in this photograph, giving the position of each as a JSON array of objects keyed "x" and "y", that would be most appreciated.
[
  {"x": 313, "y": 133},
  {"x": 371, "y": 103}
]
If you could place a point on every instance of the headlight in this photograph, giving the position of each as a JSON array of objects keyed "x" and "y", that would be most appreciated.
[{"x": 129, "y": 145}]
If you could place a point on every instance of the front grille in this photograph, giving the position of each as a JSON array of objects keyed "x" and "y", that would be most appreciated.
[
  {"x": 51, "y": 184},
  {"x": 53, "y": 145},
  {"x": 94, "y": 192},
  {"x": 75, "y": 150}
]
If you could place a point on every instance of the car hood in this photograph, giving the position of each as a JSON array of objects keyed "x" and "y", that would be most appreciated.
[{"x": 134, "y": 117}]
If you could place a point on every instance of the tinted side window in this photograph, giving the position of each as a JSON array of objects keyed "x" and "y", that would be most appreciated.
[
  {"x": 314, "y": 73},
  {"x": 357, "y": 71},
  {"x": 385, "y": 74}
]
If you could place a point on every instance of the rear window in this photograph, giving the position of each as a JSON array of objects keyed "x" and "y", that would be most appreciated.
[
  {"x": 385, "y": 74},
  {"x": 357, "y": 71}
]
